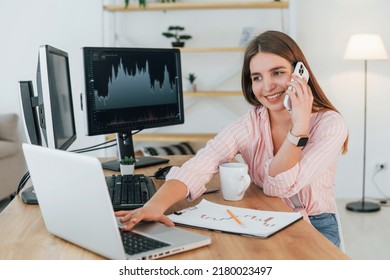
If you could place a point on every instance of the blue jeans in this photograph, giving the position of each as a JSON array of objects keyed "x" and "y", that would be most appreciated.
[{"x": 327, "y": 224}]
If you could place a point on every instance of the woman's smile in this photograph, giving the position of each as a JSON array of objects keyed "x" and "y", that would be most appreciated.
[{"x": 274, "y": 97}]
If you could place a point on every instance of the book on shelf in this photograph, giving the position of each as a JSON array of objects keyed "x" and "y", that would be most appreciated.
[{"x": 244, "y": 221}]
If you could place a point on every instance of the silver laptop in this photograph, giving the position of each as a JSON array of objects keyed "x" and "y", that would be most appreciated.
[{"x": 75, "y": 205}]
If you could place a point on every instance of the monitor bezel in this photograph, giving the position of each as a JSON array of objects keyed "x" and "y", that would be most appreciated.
[
  {"x": 90, "y": 129},
  {"x": 45, "y": 89},
  {"x": 124, "y": 134}
]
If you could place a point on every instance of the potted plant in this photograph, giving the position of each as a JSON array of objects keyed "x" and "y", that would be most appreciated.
[
  {"x": 191, "y": 79},
  {"x": 142, "y": 3},
  {"x": 127, "y": 165},
  {"x": 174, "y": 32}
]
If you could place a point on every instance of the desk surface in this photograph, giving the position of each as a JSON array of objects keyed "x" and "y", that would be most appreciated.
[{"x": 23, "y": 234}]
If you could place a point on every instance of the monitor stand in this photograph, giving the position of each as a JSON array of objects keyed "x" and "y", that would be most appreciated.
[
  {"x": 29, "y": 196},
  {"x": 140, "y": 162},
  {"x": 126, "y": 148}
]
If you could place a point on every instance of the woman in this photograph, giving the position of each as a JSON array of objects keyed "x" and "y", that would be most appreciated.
[{"x": 267, "y": 138}]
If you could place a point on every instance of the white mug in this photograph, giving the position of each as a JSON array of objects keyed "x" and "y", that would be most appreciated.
[{"x": 234, "y": 180}]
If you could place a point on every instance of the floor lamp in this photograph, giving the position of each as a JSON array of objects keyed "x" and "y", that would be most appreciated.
[{"x": 365, "y": 47}]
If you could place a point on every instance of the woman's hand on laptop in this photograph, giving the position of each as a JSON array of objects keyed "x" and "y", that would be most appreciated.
[
  {"x": 171, "y": 191},
  {"x": 146, "y": 213}
]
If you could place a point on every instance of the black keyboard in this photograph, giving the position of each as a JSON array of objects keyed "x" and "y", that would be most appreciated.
[
  {"x": 135, "y": 243},
  {"x": 130, "y": 191}
]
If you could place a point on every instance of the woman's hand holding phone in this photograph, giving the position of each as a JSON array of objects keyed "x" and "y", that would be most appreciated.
[
  {"x": 301, "y": 71},
  {"x": 302, "y": 98}
]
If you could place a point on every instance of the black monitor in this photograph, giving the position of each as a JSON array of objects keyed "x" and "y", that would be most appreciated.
[
  {"x": 50, "y": 113},
  {"x": 29, "y": 103},
  {"x": 131, "y": 89}
]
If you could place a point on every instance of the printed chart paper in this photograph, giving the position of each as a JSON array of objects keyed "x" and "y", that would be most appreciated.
[{"x": 215, "y": 216}]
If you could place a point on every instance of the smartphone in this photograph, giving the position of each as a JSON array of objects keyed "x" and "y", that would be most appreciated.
[{"x": 301, "y": 71}]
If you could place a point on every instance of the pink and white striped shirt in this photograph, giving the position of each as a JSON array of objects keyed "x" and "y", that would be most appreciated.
[{"x": 312, "y": 179}]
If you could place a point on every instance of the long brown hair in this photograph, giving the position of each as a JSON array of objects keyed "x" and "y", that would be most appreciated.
[{"x": 281, "y": 44}]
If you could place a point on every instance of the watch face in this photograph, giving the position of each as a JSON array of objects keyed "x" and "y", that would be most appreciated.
[{"x": 302, "y": 141}]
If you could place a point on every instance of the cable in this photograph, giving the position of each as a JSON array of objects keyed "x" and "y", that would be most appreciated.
[
  {"x": 376, "y": 185},
  {"x": 386, "y": 199},
  {"x": 87, "y": 148},
  {"x": 90, "y": 150},
  {"x": 23, "y": 182}
]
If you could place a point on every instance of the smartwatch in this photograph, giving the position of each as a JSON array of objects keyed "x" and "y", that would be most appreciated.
[{"x": 299, "y": 141}]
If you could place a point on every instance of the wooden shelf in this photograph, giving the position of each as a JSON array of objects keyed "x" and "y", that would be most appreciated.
[
  {"x": 213, "y": 93},
  {"x": 169, "y": 137},
  {"x": 197, "y": 6},
  {"x": 215, "y": 49}
]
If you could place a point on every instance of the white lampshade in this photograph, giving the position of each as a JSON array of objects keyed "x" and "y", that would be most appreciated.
[{"x": 365, "y": 47}]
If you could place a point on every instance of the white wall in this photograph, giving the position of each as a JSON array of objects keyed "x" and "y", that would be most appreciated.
[
  {"x": 321, "y": 27},
  {"x": 324, "y": 28},
  {"x": 25, "y": 25}
]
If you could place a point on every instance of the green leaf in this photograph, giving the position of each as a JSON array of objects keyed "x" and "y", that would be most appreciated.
[
  {"x": 185, "y": 37},
  {"x": 176, "y": 28},
  {"x": 168, "y": 35},
  {"x": 128, "y": 160}
]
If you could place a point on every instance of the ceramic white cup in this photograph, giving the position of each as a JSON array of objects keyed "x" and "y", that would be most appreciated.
[{"x": 234, "y": 180}]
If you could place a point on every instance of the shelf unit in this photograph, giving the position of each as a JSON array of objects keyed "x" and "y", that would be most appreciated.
[
  {"x": 219, "y": 49},
  {"x": 169, "y": 137},
  {"x": 213, "y": 93},
  {"x": 197, "y": 6},
  {"x": 234, "y": 49},
  {"x": 172, "y": 6}
]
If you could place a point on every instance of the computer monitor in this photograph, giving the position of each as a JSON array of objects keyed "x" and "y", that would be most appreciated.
[
  {"x": 29, "y": 104},
  {"x": 49, "y": 115},
  {"x": 131, "y": 89},
  {"x": 55, "y": 109}
]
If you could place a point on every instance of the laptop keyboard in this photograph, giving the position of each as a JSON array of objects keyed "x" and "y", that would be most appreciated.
[
  {"x": 135, "y": 243},
  {"x": 130, "y": 191}
]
